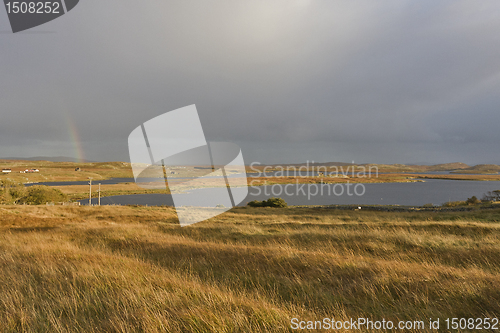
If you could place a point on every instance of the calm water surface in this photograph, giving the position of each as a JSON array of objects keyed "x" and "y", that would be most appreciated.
[{"x": 435, "y": 191}]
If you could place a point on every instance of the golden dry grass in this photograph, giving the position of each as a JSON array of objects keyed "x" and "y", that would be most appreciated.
[
  {"x": 133, "y": 269},
  {"x": 78, "y": 192},
  {"x": 63, "y": 171}
]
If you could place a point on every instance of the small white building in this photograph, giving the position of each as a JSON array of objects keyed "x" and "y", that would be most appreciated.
[{"x": 6, "y": 170}]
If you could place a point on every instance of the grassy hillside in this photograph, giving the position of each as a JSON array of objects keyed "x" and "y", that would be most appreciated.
[
  {"x": 133, "y": 269},
  {"x": 64, "y": 171},
  {"x": 420, "y": 168},
  {"x": 482, "y": 168}
]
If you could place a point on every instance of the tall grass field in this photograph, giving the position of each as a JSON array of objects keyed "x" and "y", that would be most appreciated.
[{"x": 134, "y": 269}]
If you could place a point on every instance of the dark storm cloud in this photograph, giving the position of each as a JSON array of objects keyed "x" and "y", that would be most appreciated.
[{"x": 398, "y": 81}]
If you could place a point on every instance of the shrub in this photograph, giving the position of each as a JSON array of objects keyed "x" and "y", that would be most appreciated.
[
  {"x": 17, "y": 192},
  {"x": 39, "y": 195},
  {"x": 473, "y": 200},
  {"x": 492, "y": 196},
  {"x": 454, "y": 203},
  {"x": 11, "y": 191},
  {"x": 276, "y": 202},
  {"x": 271, "y": 202},
  {"x": 255, "y": 203}
]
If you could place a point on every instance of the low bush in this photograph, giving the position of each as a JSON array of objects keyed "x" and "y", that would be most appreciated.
[
  {"x": 39, "y": 195},
  {"x": 11, "y": 191},
  {"x": 271, "y": 202},
  {"x": 492, "y": 196},
  {"x": 454, "y": 204},
  {"x": 473, "y": 200}
]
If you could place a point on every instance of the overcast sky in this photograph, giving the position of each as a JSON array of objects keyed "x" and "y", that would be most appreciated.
[{"x": 287, "y": 80}]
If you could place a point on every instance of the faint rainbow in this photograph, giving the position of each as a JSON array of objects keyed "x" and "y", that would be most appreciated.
[{"x": 75, "y": 139}]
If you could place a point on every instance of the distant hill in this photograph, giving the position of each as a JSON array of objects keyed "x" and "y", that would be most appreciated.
[
  {"x": 482, "y": 168},
  {"x": 315, "y": 164},
  {"x": 407, "y": 167},
  {"x": 455, "y": 167},
  {"x": 47, "y": 158},
  {"x": 448, "y": 166}
]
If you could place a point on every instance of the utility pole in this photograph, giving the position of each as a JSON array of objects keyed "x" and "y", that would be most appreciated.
[
  {"x": 90, "y": 191},
  {"x": 99, "y": 194}
]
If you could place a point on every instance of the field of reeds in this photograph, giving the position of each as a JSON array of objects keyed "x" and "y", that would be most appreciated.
[{"x": 134, "y": 269}]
